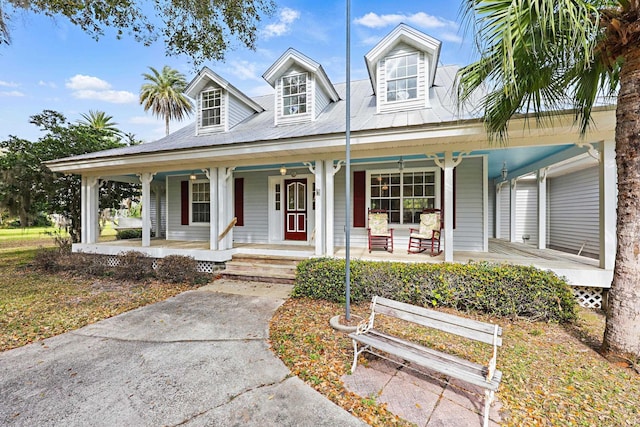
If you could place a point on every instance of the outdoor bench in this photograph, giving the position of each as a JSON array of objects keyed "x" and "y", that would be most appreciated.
[
  {"x": 128, "y": 223},
  {"x": 367, "y": 338}
]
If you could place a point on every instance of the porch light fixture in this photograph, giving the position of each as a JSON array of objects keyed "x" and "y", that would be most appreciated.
[
  {"x": 193, "y": 176},
  {"x": 504, "y": 171},
  {"x": 400, "y": 164},
  {"x": 283, "y": 170}
]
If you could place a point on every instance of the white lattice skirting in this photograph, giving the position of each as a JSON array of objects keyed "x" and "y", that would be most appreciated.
[
  {"x": 201, "y": 266},
  {"x": 588, "y": 296}
]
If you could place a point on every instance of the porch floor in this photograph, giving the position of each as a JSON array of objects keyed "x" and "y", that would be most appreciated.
[{"x": 579, "y": 270}]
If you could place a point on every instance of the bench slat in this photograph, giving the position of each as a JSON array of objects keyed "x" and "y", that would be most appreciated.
[
  {"x": 430, "y": 360},
  {"x": 468, "y": 328}
]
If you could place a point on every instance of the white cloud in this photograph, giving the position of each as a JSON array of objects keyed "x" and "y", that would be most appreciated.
[
  {"x": 244, "y": 70},
  {"x": 81, "y": 82},
  {"x": 89, "y": 87},
  {"x": 420, "y": 19},
  {"x": 12, "y": 93},
  {"x": 286, "y": 18},
  {"x": 450, "y": 37},
  {"x": 112, "y": 96},
  {"x": 47, "y": 84},
  {"x": 9, "y": 84}
]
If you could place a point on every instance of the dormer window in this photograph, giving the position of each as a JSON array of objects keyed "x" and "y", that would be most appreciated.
[
  {"x": 211, "y": 108},
  {"x": 294, "y": 94},
  {"x": 402, "y": 77}
]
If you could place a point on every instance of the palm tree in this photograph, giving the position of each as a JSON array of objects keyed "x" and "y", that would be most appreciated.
[
  {"x": 538, "y": 56},
  {"x": 164, "y": 95},
  {"x": 99, "y": 120}
]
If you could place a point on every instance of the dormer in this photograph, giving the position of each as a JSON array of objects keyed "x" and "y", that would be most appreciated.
[
  {"x": 219, "y": 105},
  {"x": 402, "y": 68},
  {"x": 302, "y": 87}
]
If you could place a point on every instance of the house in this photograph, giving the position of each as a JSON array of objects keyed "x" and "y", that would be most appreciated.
[{"x": 275, "y": 163}]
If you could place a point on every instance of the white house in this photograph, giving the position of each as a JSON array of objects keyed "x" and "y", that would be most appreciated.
[{"x": 276, "y": 163}]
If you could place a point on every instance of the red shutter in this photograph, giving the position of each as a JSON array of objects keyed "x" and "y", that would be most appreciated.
[
  {"x": 454, "y": 195},
  {"x": 184, "y": 202},
  {"x": 238, "y": 200},
  {"x": 359, "y": 196}
]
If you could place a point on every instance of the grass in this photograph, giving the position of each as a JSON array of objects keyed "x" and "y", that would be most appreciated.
[
  {"x": 35, "y": 305},
  {"x": 552, "y": 375}
]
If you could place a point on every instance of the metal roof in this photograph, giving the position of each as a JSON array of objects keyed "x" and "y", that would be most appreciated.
[{"x": 260, "y": 127}]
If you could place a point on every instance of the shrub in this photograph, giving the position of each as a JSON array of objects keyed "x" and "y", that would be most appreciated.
[
  {"x": 129, "y": 233},
  {"x": 133, "y": 266},
  {"x": 502, "y": 290},
  {"x": 47, "y": 259},
  {"x": 179, "y": 269}
]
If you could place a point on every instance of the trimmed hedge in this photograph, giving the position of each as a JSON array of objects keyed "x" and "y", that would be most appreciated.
[{"x": 502, "y": 290}]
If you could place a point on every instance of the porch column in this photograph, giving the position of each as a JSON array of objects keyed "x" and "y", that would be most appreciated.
[
  {"x": 542, "y": 208},
  {"x": 329, "y": 206},
  {"x": 448, "y": 205},
  {"x": 212, "y": 174},
  {"x": 608, "y": 204},
  {"x": 512, "y": 211},
  {"x": 145, "y": 179},
  {"x": 225, "y": 206},
  {"x": 318, "y": 171},
  {"x": 89, "y": 210},
  {"x": 485, "y": 204}
]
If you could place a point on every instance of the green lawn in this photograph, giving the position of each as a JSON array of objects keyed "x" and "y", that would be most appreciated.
[{"x": 36, "y": 305}]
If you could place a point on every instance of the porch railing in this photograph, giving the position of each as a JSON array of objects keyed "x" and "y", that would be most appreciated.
[{"x": 228, "y": 229}]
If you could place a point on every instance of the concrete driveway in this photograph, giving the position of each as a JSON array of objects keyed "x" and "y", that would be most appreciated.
[{"x": 198, "y": 359}]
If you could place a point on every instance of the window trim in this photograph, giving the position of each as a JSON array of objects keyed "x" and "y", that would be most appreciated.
[
  {"x": 283, "y": 96},
  {"x": 202, "y": 108},
  {"x": 437, "y": 188},
  {"x": 387, "y": 79},
  {"x": 191, "y": 202}
]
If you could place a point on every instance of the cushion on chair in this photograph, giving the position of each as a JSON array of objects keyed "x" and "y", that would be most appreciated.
[
  {"x": 378, "y": 224},
  {"x": 429, "y": 223}
]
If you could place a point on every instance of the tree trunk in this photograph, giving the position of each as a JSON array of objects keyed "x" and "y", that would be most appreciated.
[
  {"x": 622, "y": 332},
  {"x": 166, "y": 124}
]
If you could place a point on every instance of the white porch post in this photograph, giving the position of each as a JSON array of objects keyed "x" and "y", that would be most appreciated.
[
  {"x": 608, "y": 204},
  {"x": 448, "y": 206},
  {"x": 89, "y": 209},
  {"x": 225, "y": 206},
  {"x": 542, "y": 208},
  {"x": 485, "y": 204},
  {"x": 512, "y": 211},
  {"x": 145, "y": 179},
  {"x": 212, "y": 174},
  {"x": 329, "y": 198},
  {"x": 318, "y": 171}
]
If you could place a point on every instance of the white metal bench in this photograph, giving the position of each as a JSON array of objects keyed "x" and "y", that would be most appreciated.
[
  {"x": 128, "y": 223},
  {"x": 367, "y": 338}
]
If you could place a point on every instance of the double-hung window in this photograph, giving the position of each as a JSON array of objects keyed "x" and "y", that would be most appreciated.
[
  {"x": 211, "y": 107},
  {"x": 200, "y": 202},
  {"x": 404, "y": 194},
  {"x": 402, "y": 77},
  {"x": 294, "y": 94}
]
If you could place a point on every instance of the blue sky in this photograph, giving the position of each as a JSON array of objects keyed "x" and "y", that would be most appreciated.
[{"x": 53, "y": 65}]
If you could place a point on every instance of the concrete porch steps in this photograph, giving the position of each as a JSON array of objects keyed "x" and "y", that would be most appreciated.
[{"x": 262, "y": 268}]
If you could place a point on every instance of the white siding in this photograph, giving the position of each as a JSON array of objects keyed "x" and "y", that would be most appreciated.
[
  {"x": 256, "y": 199},
  {"x": 574, "y": 212},
  {"x": 422, "y": 99},
  {"x": 238, "y": 111},
  {"x": 505, "y": 211},
  {"x": 321, "y": 100},
  {"x": 176, "y": 231},
  {"x": 527, "y": 211},
  {"x": 163, "y": 212},
  {"x": 492, "y": 210},
  {"x": 468, "y": 234}
]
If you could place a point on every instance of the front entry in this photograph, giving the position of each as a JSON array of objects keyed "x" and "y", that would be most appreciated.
[{"x": 295, "y": 213}]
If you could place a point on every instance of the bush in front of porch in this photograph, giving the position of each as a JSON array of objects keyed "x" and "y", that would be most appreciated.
[{"x": 501, "y": 290}]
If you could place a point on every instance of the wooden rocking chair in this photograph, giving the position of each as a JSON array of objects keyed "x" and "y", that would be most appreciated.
[
  {"x": 380, "y": 235},
  {"x": 428, "y": 235}
]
